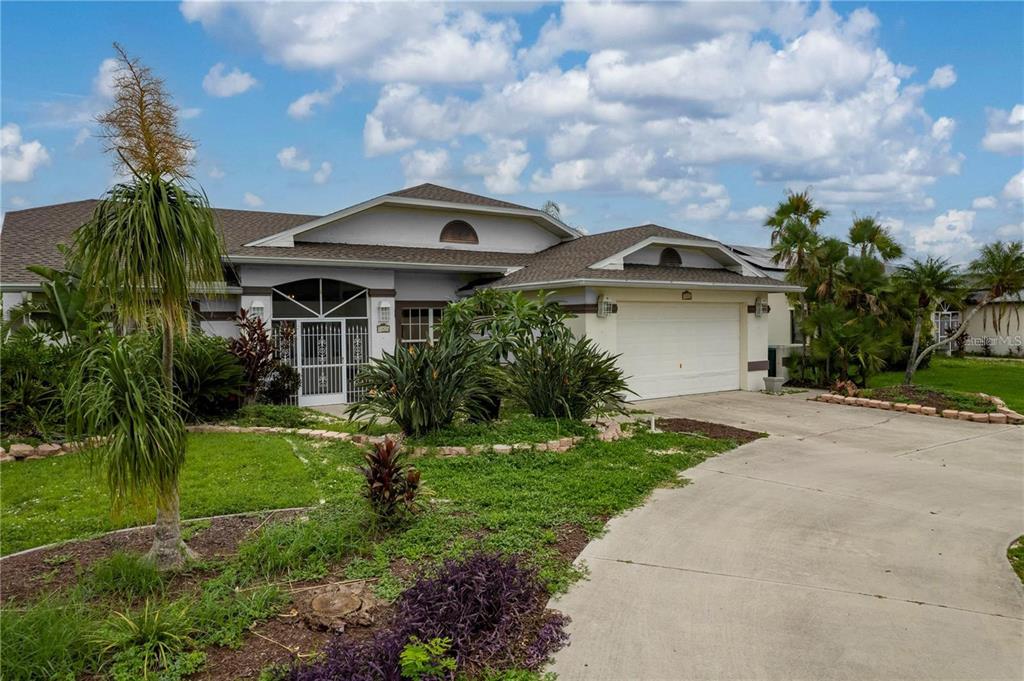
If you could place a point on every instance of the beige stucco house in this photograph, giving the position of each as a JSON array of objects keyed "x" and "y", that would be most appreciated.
[{"x": 686, "y": 314}]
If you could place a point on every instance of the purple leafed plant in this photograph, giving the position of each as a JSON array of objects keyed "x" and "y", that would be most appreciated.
[{"x": 490, "y": 606}]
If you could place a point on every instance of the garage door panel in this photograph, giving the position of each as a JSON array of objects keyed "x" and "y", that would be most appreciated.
[{"x": 672, "y": 349}]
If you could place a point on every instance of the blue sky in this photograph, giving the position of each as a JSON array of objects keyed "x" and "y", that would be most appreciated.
[{"x": 698, "y": 117}]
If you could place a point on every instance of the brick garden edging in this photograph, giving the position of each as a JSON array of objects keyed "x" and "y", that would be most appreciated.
[
  {"x": 1002, "y": 415},
  {"x": 610, "y": 430}
]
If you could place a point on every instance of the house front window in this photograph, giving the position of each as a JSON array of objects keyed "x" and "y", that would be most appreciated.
[
  {"x": 417, "y": 324},
  {"x": 945, "y": 322}
]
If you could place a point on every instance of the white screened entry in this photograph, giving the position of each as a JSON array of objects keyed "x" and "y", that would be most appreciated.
[{"x": 320, "y": 327}]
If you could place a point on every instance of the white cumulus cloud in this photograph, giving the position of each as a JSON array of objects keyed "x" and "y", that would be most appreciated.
[
  {"x": 290, "y": 159},
  {"x": 19, "y": 159},
  {"x": 942, "y": 77},
  {"x": 219, "y": 82},
  {"x": 323, "y": 173},
  {"x": 501, "y": 165},
  {"x": 305, "y": 106},
  {"x": 426, "y": 166},
  {"x": 252, "y": 200},
  {"x": 984, "y": 202},
  {"x": 1014, "y": 189},
  {"x": 949, "y": 234},
  {"x": 1005, "y": 131}
]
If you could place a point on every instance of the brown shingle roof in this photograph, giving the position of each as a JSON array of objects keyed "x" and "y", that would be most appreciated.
[
  {"x": 31, "y": 236},
  {"x": 434, "y": 192}
]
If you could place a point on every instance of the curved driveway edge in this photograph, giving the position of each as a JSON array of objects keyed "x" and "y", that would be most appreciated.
[{"x": 851, "y": 544}]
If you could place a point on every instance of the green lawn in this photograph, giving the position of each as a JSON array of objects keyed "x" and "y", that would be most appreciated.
[
  {"x": 1001, "y": 377},
  {"x": 510, "y": 429},
  {"x": 48, "y": 500}
]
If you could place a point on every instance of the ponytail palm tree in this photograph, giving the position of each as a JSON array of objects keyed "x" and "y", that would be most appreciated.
[
  {"x": 148, "y": 243},
  {"x": 928, "y": 282}
]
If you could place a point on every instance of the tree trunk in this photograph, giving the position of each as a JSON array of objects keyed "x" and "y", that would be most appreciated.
[
  {"x": 168, "y": 550},
  {"x": 908, "y": 378},
  {"x": 959, "y": 332}
]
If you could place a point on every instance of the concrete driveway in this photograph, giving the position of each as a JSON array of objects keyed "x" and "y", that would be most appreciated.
[{"x": 850, "y": 544}]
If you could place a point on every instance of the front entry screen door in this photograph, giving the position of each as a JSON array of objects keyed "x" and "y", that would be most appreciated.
[{"x": 322, "y": 352}]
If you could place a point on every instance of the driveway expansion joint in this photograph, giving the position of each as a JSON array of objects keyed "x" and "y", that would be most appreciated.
[{"x": 811, "y": 587}]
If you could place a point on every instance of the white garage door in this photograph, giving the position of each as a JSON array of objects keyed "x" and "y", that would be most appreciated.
[{"x": 679, "y": 349}]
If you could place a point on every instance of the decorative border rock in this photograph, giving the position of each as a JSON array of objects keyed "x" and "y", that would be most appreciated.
[
  {"x": 1003, "y": 415},
  {"x": 609, "y": 431}
]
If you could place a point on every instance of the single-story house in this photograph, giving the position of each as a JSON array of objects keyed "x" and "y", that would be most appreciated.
[
  {"x": 982, "y": 337},
  {"x": 686, "y": 314}
]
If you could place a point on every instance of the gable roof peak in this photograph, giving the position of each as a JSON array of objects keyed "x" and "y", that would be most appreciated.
[{"x": 435, "y": 192}]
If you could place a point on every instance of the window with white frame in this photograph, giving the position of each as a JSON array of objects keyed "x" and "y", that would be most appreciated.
[
  {"x": 418, "y": 324},
  {"x": 945, "y": 322}
]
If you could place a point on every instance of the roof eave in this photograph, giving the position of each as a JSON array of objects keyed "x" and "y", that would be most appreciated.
[
  {"x": 372, "y": 264},
  {"x": 640, "y": 283}
]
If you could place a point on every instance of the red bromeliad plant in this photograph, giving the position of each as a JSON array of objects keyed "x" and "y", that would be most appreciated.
[
  {"x": 255, "y": 350},
  {"x": 391, "y": 483}
]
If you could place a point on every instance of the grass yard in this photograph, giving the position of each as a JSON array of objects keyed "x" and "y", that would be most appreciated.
[
  {"x": 49, "y": 500},
  {"x": 1001, "y": 377},
  {"x": 510, "y": 429},
  {"x": 542, "y": 506}
]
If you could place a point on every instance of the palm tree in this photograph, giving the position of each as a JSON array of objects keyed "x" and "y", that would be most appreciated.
[
  {"x": 927, "y": 282},
  {"x": 997, "y": 271},
  {"x": 149, "y": 241},
  {"x": 830, "y": 256},
  {"x": 874, "y": 239},
  {"x": 798, "y": 207},
  {"x": 795, "y": 241}
]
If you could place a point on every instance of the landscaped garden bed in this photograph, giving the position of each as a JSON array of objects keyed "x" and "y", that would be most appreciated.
[
  {"x": 714, "y": 430},
  {"x": 1002, "y": 377},
  {"x": 979, "y": 408},
  {"x": 520, "y": 504}
]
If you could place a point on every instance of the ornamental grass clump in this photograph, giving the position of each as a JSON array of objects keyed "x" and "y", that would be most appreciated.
[{"x": 488, "y": 608}]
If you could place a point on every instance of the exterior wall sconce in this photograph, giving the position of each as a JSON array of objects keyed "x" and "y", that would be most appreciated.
[
  {"x": 687, "y": 295},
  {"x": 384, "y": 317},
  {"x": 256, "y": 309}
]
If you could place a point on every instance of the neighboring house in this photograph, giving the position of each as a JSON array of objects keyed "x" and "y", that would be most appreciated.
[
  {"x": 982, "y": 336},
  {"x": 686, "y": 314}
]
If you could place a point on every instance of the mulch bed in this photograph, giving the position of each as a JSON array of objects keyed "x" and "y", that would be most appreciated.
[
  {"x": 36, "y": 573},
  {"x": 715, "y": 430},
  {"x": 913, "y": 394}
]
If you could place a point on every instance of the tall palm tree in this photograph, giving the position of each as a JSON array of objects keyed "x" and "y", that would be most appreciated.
[
  {"x": 148, "y": 243},
  {"x": 929, "y": 282},
  {"x": 997, "y": 271},
  {"x": 798, "y": 207},
  {"x": 874, "y": 239},
  {"x": 797, "y": 245},
  {"x": 830, "y": 256}
]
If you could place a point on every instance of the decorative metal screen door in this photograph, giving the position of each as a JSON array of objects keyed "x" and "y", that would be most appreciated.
[{"x": 322, "y": 362}]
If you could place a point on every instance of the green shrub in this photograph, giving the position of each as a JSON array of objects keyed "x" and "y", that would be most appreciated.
[
  {"x": 125, "y": 575},
  {"x": 51, "y": 640},
  {"x": 557, "y": 375},
  {"x": 209, "y": 378},
  {"x": 281, "y": 384},
  {"x": 32, "y": 369},
  {"x": 144, "y": 641},
  {"x": 423, "y": 388},
  {"x": 423, "y": 660}
]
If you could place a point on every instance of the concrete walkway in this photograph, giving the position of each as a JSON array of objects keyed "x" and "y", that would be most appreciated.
[{"x": 850, "y": 544}]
